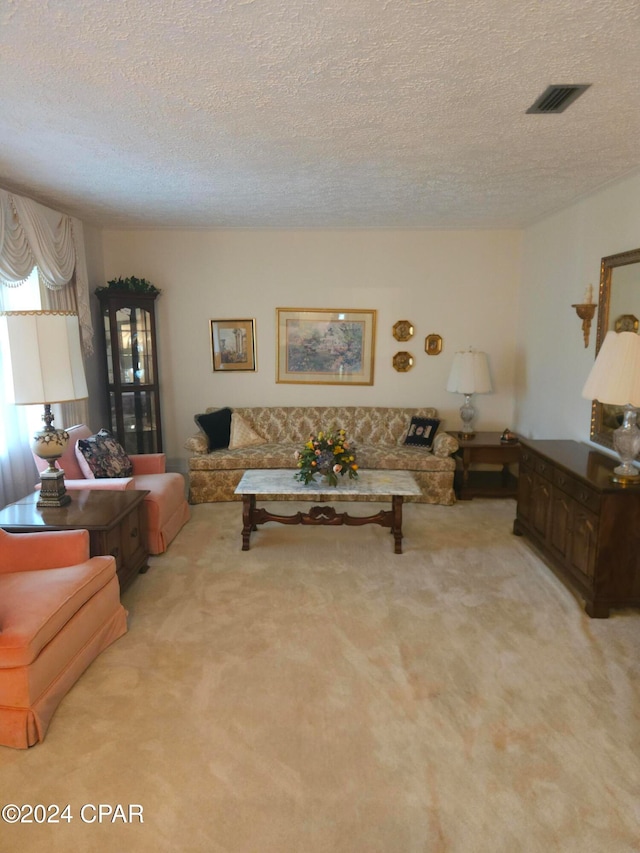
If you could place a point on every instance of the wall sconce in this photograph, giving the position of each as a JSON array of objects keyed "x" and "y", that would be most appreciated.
[{"x": 586, "y": 311}]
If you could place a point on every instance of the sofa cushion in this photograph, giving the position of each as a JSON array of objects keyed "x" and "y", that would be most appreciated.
[
  {"x": 35, "y": 605},
  {"x": 216, "y": 426},
  {"x": 101, "y": 455},
  {"x": 242, "y": 435},
  {"x": 421, "y": 432},
  {"x": 402, "y": 459}
]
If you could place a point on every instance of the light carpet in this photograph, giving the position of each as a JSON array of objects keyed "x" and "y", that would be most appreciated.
[{"x": 320, "y": 694}]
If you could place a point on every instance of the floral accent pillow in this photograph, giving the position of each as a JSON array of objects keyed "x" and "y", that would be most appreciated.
[{"x": 101, "y": 456}]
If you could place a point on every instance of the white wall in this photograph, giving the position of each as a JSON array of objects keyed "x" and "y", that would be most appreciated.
[
  {"x": 95, "y": 368},
  {"x": 462, "y": 285},
  {"x": 561, "y": 256}
]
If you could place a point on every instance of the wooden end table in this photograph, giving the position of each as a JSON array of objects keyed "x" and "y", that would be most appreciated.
[
  {"x": 485, "y": 448},
  {"x": 115, "y": 521}
]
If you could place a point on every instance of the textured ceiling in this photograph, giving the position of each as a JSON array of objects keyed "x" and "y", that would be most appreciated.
[{"x": 284, "y": 113}]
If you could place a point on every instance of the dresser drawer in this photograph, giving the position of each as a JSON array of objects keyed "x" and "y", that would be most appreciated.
[
  {"x": 527, "y": 458},
  {"x": 582, "y": 493},
  {"x": 111, "y": 544},
  {"x": 543, "y": 467}
]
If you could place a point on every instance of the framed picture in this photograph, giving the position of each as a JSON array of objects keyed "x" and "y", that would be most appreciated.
[
  {"x": 433, "y": 344},
  {"x": 325, "y": 346},
  {"x": 233, "y": 344}
]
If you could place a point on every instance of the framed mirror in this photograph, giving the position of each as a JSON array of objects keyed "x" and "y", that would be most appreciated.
[{"x": 619, "y": 309}]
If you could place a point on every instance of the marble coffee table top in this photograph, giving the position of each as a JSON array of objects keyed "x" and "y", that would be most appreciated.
[{"x": 263, "y": 481}]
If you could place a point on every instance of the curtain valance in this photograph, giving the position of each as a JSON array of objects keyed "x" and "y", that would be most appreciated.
[{"x": 34, "y": 235}]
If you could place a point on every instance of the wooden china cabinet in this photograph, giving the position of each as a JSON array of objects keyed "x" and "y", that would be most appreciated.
[
  {"x": 130, "y": 345},
  {"x": 584, "y": 524}
]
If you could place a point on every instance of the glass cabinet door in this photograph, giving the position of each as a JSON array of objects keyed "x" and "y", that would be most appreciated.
[{"x": 132, "y": 370}]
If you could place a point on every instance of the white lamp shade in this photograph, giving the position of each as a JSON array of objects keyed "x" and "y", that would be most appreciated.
[
  {"x": 46, "y": 357},
  {"x": 615, "y": 375},
  {"x": 469, "y": 373}
]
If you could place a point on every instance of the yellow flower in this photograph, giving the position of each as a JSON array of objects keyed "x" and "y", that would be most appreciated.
[{"x": 354, "y": 467}]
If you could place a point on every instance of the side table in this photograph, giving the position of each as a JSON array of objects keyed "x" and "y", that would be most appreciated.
[
  {"x": 115, "y": 521},
  {"x": 485, "y": 449}
]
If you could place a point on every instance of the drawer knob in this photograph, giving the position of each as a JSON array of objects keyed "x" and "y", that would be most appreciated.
[{"x": 115, "y": 552}]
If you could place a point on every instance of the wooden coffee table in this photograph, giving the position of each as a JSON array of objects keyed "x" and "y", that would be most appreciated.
[
  {"x": 115, "y": 521},
  {"x": 270, "y": 484}
]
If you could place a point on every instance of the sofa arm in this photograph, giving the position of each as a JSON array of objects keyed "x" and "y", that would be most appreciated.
[
  {"x": 26, "y": 552},
  {"x": 197, "y": 444},
  {"x": 148, "y": 463},
  {"x": 444, "y": 444}
]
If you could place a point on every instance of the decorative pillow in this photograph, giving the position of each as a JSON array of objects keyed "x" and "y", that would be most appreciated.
[
  {"x": 101, "y": 456},
  {"x": 421, "y": 432},
  {"x": 242, "y": 435},
  {"x": 216, "y": 426}
]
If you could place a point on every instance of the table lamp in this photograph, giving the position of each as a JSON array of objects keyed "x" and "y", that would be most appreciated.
[
  {"x": 615, "y": 380},
  {"x": 469, "y": 375},
  {"x": 47, "y": 367}
]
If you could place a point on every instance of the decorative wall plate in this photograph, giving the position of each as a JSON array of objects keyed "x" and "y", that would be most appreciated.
[
  {"x": 403, "y": 361},
  {"x": 626, "y": 323},
  {"x": 403, "y": 330},
  {"x": 433, "y": 344}
]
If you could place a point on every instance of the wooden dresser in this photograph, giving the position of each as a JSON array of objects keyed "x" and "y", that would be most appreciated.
[{"x": 585, "y": 525}]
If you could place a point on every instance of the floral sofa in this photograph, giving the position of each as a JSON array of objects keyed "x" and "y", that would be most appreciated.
[{"x": 268, "y": 437}]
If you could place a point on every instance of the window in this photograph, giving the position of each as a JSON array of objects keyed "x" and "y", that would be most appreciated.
[{"x": 25, "y": 297}]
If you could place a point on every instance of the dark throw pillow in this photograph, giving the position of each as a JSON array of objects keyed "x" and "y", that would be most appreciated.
[
  {"x": 421, "y": 432},
  {"x": 216, "y": 426},
  {"x": 102, "y": 456}
]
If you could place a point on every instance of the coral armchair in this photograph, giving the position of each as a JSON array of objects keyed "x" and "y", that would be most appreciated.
[
  {"x": 59, "y": 609},
  {"x": 166, "y": 506}
]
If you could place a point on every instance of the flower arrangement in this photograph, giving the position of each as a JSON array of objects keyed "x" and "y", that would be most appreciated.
[{"x": 329, "y": 454}]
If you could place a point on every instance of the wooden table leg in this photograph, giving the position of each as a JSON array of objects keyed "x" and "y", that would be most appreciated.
[
  {"x": 396, "y": 508},
  {"x": 248, "y": 524}
]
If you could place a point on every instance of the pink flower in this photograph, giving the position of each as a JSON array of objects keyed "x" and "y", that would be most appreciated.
[{"x": 337, "y": 469}]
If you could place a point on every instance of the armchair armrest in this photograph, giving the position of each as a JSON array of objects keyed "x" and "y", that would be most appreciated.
[
  {"x": 26, "y": 552},
  {"x": 148, "y": 463}
]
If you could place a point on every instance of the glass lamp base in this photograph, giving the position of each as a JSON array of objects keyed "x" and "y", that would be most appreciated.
[
  {"x": 626, "y": 442},
  {"x": 467, "y": 416}
]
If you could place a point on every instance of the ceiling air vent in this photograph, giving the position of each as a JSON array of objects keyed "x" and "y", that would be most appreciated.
[{"x": 555, "y": 99}]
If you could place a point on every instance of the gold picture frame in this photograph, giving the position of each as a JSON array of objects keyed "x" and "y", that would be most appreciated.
[
  {"x": 233, "y": 344},
  {"x": 325, "y": 346},
  {"x": 433, "y": 345}
]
